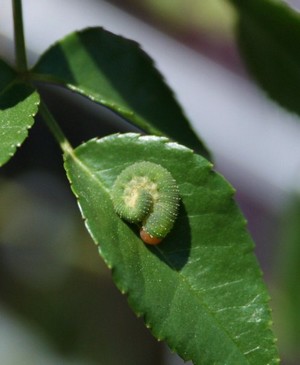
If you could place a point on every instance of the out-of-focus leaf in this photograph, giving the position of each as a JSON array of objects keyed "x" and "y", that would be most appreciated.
[
  {"x": 287, "y": 273},
  {"x": 201, "y": 289},
  {"x": 269, "y": 35},
  {"x": 116, "y": 73}
]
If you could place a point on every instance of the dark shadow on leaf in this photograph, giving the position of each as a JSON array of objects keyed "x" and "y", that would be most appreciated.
[
  {"x": 14, "y": 95},
  {"x": 7, "y": 74},
  {"x": 56, "y": 65},
  {"x": 133, "y": 75},
  {"x": 174, "y": 250},
  {"x": 115, "y": 71},
  {"x": 130, "y": 71}
]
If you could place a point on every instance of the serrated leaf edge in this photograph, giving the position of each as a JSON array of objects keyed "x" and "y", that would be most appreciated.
[{"x": 265, "y": 297}]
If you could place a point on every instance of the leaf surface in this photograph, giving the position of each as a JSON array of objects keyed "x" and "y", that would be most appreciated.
[
  {"x": 7, "y": 75},
  {"x": 269, "y": 34},
  {"x": 200, "y": 289},
  {"x": 18, "y": 106},
  {"x": 287, "y": 273},
  {"x": 116, "y": 73}
]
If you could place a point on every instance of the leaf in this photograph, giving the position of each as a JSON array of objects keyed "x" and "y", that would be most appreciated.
[
  {"x": 116, "y": 73},
  {"x": 287, "y": 273},
  {"x": 200, "y": 289},
  {"x": 18, "y": 106},
  {"x": 7, "y": 75},
  {"x": 269, "y": 34}
]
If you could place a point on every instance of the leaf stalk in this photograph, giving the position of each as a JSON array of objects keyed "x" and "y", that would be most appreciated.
[
  {"x": 20, "y": 50},
  {"x": 55, "y": 128}
]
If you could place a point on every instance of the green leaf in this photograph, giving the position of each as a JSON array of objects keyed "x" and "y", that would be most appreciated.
[
  {"x": 7, "y": 75},
  {"x": 287, "y": 273},
  {"x": 269, "y": 34},
  {"x": 115, "y": 72},
  {"x": 200, "y": 289},
  {"x": 18, "y": 106}
]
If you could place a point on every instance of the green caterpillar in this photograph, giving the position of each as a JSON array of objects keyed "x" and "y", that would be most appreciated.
[{"x": 145, "y": 193}]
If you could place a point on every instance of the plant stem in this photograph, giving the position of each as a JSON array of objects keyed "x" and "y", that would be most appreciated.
[
  {"x": 21, "y": 59},
  {"x": 55, "y": 128}
]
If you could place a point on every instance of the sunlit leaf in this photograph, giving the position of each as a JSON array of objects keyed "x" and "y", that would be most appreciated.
[
  {"x": 201, "y": 289},
  {"x": 18, "y": 106}
]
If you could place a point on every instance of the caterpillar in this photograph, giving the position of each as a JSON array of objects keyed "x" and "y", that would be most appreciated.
[{"x": 145, "y": 193}]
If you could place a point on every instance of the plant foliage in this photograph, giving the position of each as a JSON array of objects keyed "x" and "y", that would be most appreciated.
[
  {"x": 18, "y": 106},
  {"x": 116, "y": 73},
  {"x": 201, "y": 289},
  {"x": 267, "y": 32}
]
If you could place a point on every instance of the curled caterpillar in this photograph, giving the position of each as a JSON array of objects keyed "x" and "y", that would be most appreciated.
[{"x": 145, "y": 193}]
